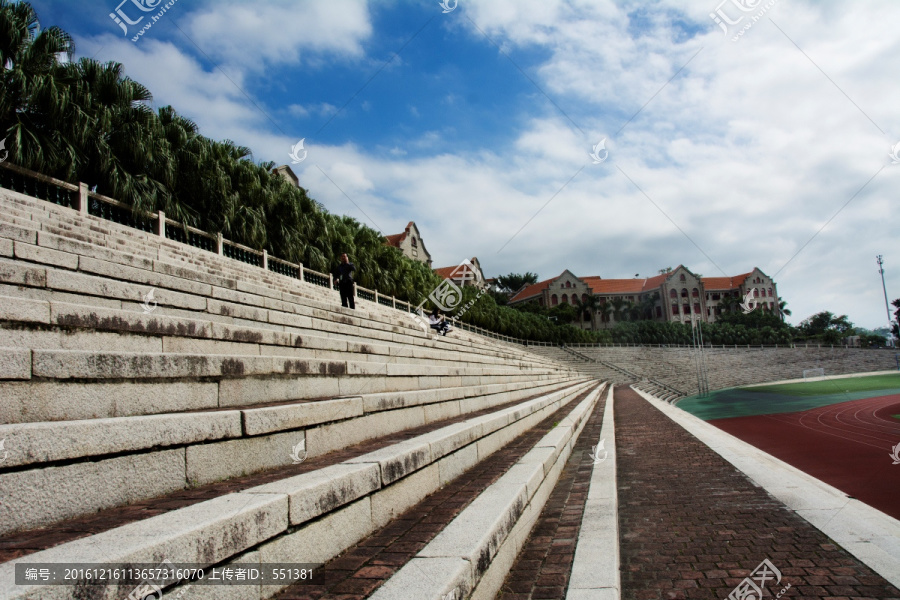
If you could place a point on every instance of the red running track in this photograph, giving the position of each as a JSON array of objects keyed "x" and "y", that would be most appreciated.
[{"x": 847, "y": 445}]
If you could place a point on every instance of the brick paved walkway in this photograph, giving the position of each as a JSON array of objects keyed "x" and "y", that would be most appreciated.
[
  {"x": 361, "y": 569},
  {"x": 541, "y": 571},
  {"x": 693, "y": 526},
  {"x": 19, "y": 544}
]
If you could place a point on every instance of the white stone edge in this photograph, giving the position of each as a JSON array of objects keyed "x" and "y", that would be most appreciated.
[
  {"x": 591, "y": 567},
  {"x": 865, "y": 532}
]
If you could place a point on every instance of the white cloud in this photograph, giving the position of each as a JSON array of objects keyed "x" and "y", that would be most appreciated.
[{"x": 256, "y": 35}]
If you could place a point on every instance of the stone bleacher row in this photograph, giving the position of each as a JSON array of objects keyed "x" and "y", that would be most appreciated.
[
  {"x": 726, "y": 367},
  {"x": 234, "y": 372}
]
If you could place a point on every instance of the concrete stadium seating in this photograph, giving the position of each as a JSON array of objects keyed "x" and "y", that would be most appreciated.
[
  {"x": 233, "y": 372},
  {"x": 670, "y": 373}
]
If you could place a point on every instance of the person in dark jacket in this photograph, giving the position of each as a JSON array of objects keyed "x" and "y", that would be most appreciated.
[{"x": 344, "y": 276}]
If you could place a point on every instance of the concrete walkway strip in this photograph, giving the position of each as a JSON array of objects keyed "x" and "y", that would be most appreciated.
[
  {"x": 595, "y": 570},
  {"x": 870, "y": 535}
]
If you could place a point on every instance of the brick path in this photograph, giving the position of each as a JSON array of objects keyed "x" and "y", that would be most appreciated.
[
  {"x": 361, "y": 569},
  {"x": 16, "y": 545},
  {"x": 693, "y": 526},
  {"x": 542, "y": 569}
]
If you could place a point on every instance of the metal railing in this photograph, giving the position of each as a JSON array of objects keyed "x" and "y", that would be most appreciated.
[{"x": 79, "y": 198}]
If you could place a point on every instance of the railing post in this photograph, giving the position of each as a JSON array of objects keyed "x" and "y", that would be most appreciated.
[
  {"x": 265, "y": 264},
  {"x": 220, "y": 243},
  {"x": 161, "y": 225},
  {"x": 376, "y": 296},
  {"x": 301, "y": 271},
  {"x": 82, "y": 198},
  {"x": 393, "y": 302},
  {"x": 330, "y": 281}
]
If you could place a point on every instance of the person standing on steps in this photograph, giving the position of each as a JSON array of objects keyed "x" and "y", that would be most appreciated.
[{"x": 344, "y": 276}]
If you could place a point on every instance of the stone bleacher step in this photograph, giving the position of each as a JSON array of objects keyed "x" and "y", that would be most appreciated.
[
  {"x": 178, "y": 311},
  {"x": 316, "y": 515},
  {"x": 54, "y": 249},
  {"x": 86, "y": 325},
  {"x": 182, "y": 450},
  {"x": 471, "y": 556},
  {"x": 53, "y": 441}
]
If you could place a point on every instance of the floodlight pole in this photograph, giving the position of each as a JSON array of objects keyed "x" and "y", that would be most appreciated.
[{"x": 887, "y": 306}]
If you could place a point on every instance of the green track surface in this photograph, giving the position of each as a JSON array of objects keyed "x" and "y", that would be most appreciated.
[{"x": 788, "y": 397}]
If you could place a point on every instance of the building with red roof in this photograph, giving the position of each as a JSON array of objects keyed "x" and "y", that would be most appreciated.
[
  {"x": 410, "y": 243},
  {"x": 678, "y": 295}
]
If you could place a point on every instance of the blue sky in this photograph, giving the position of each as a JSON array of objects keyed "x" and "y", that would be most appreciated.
[{"x": 768, "y": 148}]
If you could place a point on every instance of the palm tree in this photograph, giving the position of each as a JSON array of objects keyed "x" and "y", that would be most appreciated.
[
  {"x": 782, "y": 308},
  {"x": 587, "y": 308},
  {"x": 605, "y": 309},
  {"x": 617, "y": 304},
  {"x": 34, "y": 98}
]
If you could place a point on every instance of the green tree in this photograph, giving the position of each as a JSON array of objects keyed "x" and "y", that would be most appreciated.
[
  {"x": 782, "y": 307},
  {"x": 513, "y": 282},
  {"x": 587, "y": 308}
]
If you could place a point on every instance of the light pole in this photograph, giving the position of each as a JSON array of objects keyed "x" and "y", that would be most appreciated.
[{"x": 887, "y": 306}]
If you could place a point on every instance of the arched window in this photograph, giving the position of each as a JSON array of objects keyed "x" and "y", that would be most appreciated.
[
  {"x": 771, "y": 295},
  {"x": 673, "y": 294},
  {"x": 682, "y": 278},
  {"x": 414, "y": 243},
  {"x": 565, "y": 298},
  {"x": 568, "y": 284},
  {"x": 554, "y": 300},
  {"x": 755, "y": 293},
  {"x": 695, "y": 293},
  {"x": 684, "y": 293}
]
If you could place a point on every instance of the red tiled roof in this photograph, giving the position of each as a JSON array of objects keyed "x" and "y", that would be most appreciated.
[
  {"x": 445, "y": 272},
  {"x": 396, "y": 238},
  {"x": 532, "y": 290},
  {"x": 724, "y": 283}
]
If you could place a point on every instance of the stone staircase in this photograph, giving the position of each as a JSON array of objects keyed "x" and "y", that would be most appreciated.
[{"x": 239, "y": 416}]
